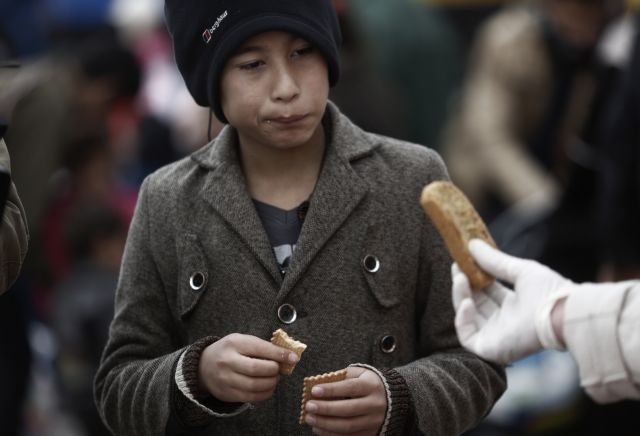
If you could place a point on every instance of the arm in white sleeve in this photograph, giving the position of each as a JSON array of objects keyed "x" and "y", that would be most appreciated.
[{"x": 602, "y": 332}]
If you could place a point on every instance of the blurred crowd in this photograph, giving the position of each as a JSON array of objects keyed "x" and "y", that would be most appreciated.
[{"x": 534, "y": 106}]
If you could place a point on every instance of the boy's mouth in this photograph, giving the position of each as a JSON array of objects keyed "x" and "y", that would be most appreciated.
[{"x": 288, "y": 120}]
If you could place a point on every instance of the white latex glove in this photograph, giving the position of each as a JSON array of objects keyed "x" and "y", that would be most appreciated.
[{"x": 500, "y": 324}]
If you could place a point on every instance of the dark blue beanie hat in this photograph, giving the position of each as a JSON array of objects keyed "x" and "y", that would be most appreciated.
[{"x": 207, "y": 32}]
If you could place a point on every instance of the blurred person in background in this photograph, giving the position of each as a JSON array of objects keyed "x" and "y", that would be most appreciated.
[
  {"x": 15, "y": 358},
  {"x": 411, "y": 46},
  {"x": 14, "y": 230},
  {"x": 20, "y": 33},
  {"x": 522, "y": 144},
  {"x": 14, "y": 241},
  {"x": 83, "y": 305},
  {"x": 85, "y": 219},
  {"x": 364, "y": 94},
  {"x": 60, "y": 100},
  {"x": 88, "y": 176},
  {"x": 620, "y": 181},
  {"x": 70, "y": 94}
]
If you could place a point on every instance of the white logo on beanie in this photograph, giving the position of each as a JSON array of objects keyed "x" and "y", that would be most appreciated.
[{"x": 207, "y": 35}]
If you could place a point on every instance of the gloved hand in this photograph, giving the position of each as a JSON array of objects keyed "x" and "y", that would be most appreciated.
[{"x": 500, "y": 324}]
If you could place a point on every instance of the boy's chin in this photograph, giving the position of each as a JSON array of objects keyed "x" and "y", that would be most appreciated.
[
  {"x": 292, "y": 139},
  {"x": 290, "y": 144}
]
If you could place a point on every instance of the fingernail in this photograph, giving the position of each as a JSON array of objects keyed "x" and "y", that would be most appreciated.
[
  {"x": 310, "y": 419},
  {"x": 312, "y": 407},
  {"x": 317, "y": 391},
  {"x": 293, "y": 358}
]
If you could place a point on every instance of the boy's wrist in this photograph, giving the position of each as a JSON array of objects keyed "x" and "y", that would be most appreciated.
[
  {"x": 400, "y": 407},
  {"x": 188, "y": 373},
  {"x": 401, "y": 413},
  {"x": 193, "y": 407}
]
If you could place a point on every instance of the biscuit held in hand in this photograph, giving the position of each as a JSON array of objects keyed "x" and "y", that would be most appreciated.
[
  {"x": 458, "y": 222},
  {"x": 282, "y": 339},
  {"x": 310, "y": 382}
]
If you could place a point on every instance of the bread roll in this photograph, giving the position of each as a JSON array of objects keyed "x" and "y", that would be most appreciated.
[{"x": 458, "y": 222}]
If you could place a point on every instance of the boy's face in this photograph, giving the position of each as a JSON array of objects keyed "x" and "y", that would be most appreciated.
[{"x": 274, "y": 90}]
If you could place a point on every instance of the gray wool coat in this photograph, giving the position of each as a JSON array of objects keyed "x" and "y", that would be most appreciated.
[{"x": 196, "y": 216}]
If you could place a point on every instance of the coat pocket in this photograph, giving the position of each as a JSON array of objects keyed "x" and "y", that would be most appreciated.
[
  {"x": 379, "y": 265},
  {"x": 193, "y": 276}
]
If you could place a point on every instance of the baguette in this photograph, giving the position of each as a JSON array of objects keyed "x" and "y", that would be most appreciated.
[{"x": 457, "y": 222}]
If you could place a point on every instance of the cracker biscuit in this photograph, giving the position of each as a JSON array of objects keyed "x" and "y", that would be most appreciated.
[
  {"x": 458, "y": 222},
  {"x": 282, "y": 339},
  {"x": 310, "y": 382}
]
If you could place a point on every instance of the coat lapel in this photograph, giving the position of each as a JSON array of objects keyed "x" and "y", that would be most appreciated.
[
  {"x": 338, "y": 192},
  {"x": 225, "y": 191}
]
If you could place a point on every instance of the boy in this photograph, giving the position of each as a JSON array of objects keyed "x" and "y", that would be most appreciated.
[{"x": 294, "y": 218}]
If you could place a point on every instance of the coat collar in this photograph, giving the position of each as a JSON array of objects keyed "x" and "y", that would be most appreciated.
[{"x": 337, "y": 193}]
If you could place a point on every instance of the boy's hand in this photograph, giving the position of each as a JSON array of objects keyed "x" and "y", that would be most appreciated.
[
  {"x": 356, "y": 405},
  {"x": 241, "y": 368}
]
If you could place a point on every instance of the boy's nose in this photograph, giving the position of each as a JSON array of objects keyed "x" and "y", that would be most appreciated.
[{"x": 285, "y": 86}]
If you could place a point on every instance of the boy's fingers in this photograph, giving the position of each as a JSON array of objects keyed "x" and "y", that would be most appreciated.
[
  {"x": 244, "y": 383},
  {"x": 257, "y": 367},
  {"x": 338, "y": 408},
  {"x": 252, "y": 346},
  {"x": 349, "y": 388}
]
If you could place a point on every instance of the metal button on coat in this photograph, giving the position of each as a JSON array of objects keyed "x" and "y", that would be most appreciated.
[
  {"x": 371, "y": 263},
  {"x": 388, "y": 344},
  {"x": 196, "y": 281},
  {"x": 287, "y": 314}
]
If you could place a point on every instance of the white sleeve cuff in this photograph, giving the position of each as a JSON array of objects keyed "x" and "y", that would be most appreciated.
[
  {"x": 543, "y": 322},
  {"x": 591, "y": 323}
]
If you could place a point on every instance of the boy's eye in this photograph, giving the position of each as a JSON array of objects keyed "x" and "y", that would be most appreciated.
[
  {"x": 303, "y": 51},
  {"x": 250, "y": 65}
]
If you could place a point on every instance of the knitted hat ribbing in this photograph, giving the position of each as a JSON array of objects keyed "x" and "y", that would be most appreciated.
[{"x": 206, "y": 33}]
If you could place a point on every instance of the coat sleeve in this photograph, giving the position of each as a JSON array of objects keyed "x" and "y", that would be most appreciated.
[
  {"x": 602, "y": 332},
  {"x": 451, "y": 389},
  {"x": 14, "y": 232},
  {"x": 134, "y": 382}
]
